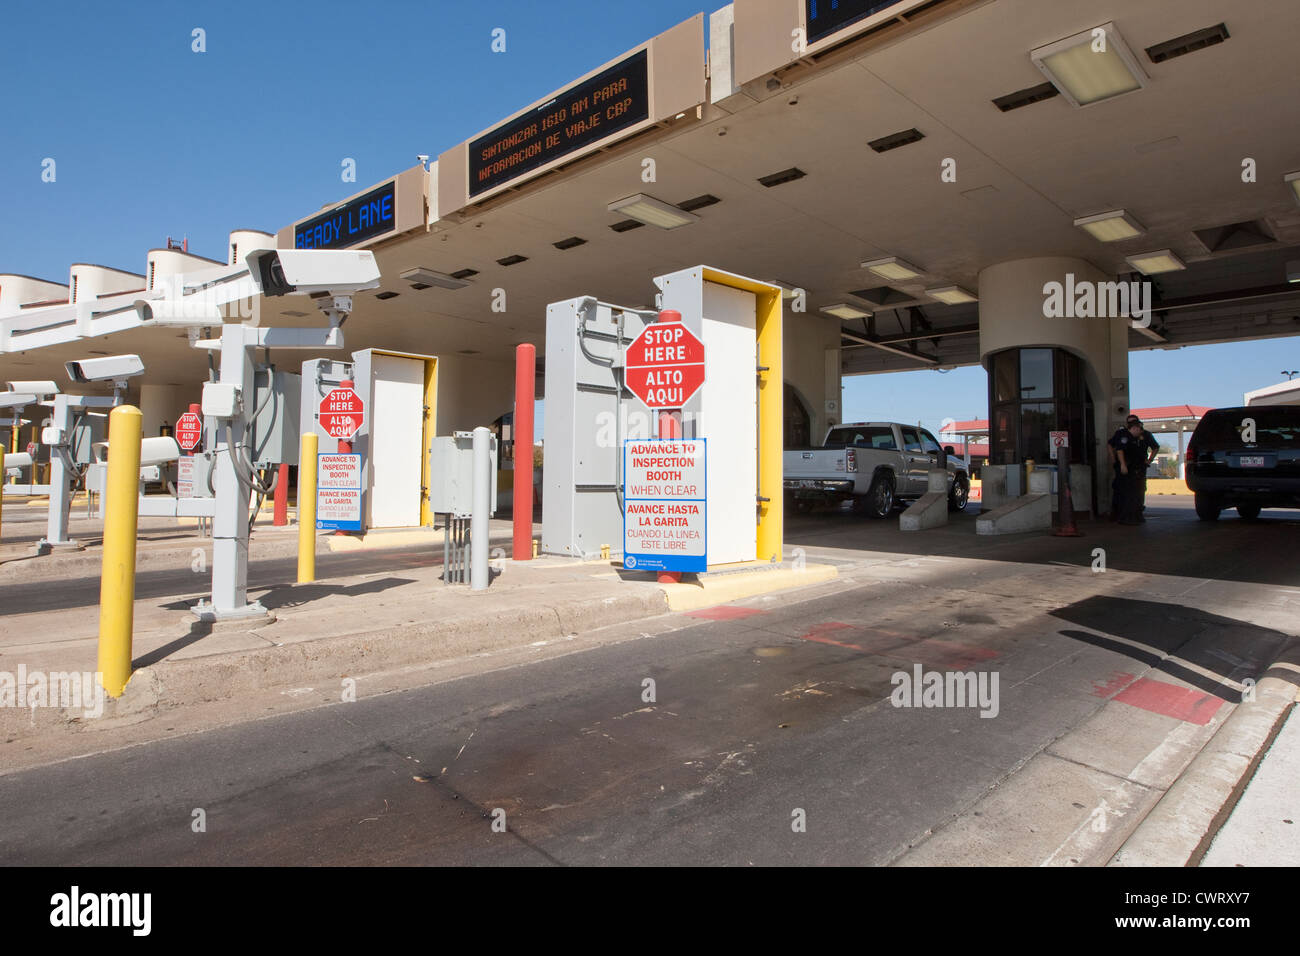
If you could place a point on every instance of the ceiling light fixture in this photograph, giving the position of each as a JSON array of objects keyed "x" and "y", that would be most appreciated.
[
  {"x": 652, "y": 212},
  {"x": 951, "y": 295},
  {"x": 893, "y": 268},
  {"x": 1091, "y": 66},
  {"x": 842, "y": 311},
  {"x": 1110, "y": 226},
  {"x": 1293, "y": 181},
  {"x": 1154, "y": 263},
  {"x": 420, "y": 276}
]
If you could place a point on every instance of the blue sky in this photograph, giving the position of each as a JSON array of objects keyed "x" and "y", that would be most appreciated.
[
  {"x": 1213, "y": 375},
  {"x": 152, "y": 139}
]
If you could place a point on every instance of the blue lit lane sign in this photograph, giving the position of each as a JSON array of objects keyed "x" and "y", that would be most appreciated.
[
  {"x": 827, "y": 16},
  {"x": 665, "y": 504},
  {"x": 351, "y": 223}
]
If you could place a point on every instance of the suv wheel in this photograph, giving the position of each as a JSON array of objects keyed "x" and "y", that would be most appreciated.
[
  {"x": 1248, "y": 512},
  {"x": 879, "y": 502},
  {"x": 960, "y": 493},
  {"x": 1208, "y": 506}
]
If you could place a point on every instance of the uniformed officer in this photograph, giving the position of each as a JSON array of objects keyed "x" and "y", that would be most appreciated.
[{"x": 1131, "y": 449}]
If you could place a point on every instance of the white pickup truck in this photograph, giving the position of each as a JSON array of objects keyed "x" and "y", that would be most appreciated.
[{"x": 876, "y": 464}]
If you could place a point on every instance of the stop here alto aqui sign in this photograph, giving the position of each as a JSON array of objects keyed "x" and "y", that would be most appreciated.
[{"x": 665, "y": 505}]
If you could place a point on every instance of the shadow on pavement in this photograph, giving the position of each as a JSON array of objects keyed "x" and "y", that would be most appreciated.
[{"x": 1151, "y": 631}]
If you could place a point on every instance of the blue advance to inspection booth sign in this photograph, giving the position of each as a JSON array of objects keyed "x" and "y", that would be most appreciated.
[{"x": 664, "y": 505}]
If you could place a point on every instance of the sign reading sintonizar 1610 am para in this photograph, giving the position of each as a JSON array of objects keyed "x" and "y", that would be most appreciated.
[
  {"x": 664, "y": 505},
  {"x": 607, "y": 103}
]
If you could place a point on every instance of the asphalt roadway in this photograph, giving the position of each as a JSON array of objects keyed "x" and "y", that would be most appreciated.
[{"x": 767, "y": 735}]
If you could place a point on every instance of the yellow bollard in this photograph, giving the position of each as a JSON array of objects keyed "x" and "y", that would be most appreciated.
[
  {"x": 307, "y": 508},
  {"x": 117, "y": 579}
]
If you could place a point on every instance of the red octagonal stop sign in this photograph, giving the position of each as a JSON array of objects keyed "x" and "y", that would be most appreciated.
[
  {"x": 189, "y": 431},
  {"x": 341, "y": 413},
  {"x": 664, "y": 365}
]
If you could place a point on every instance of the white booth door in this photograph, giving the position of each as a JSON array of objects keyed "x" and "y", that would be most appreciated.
[
  {"x": 729, "y": 408},
  {"x": 396, "y": 439}
]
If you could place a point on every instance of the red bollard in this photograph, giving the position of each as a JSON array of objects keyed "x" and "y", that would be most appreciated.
[
  {"x": 345, "y": 447},
  {"x": 525, "y": 395},
  {"x": 282, "y": 497}
]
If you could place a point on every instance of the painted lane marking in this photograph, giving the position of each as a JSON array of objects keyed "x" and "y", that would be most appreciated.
[{"x": 1181, "y": 703}]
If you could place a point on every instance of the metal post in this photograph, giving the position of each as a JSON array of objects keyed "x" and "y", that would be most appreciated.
[
  {"x": 2, "y": 489},
  {"x": 478, "y": 534},
  {"x": 117, "y": 578},
  {"x": 525, "y": 394},
  {"x": 307, "y": 508},
  {"x": 60, "y": 508},
  {"x": 230, "y": 515}
]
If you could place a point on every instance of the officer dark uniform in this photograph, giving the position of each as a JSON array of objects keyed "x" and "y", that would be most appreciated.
[{"x": 1136, "y": 443}]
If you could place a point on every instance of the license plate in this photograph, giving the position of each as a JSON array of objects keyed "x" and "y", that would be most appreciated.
[
  {"x": 805, "y": 483},
  {"x": 1251, "y": 461}
]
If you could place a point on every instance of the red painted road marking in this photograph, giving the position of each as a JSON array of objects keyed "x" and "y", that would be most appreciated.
[
  {"x": 1115, "y": 683},
  {"x": 949, "y": 655},
  {"x": 725, "y": 613},
  {"x": 819, "y": 632},
  {"x": 1181, "y": 703}
]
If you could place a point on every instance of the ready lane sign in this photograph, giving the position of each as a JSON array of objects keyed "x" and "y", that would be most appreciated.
[
  {"x": 664, "y": 502},
  {"x": 664, "y": 365},
  {"x": 189, "y": 431},
  {"x": 341, "y": 413}
]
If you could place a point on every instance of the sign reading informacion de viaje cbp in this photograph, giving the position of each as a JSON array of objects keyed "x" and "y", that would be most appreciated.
[
  {"x": 338, "y": 492},
  {"x": 664, "y": 505}
]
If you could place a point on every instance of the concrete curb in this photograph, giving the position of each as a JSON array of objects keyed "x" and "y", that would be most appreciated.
[
  {"x": 154, "y": 690},
  {"x": 1179, "y": 828},
  {"x": 712, "y": 589}
]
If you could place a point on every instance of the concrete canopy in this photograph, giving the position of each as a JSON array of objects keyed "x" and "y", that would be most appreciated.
[{"x": 1171, "y": 154}]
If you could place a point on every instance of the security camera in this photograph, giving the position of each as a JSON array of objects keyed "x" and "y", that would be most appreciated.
[
  {"x": 40, "y": 389},
  {"x": 111, "y": 368},
  {"x": 336, "y": 271},
  {"x": 16, "y": 399},
  {"x": 186, "y": 312}
]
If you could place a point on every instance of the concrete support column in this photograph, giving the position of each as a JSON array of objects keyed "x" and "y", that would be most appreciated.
[{"x": 1014, "y": 314}]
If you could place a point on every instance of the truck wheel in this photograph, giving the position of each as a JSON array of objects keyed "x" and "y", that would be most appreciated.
[
  {"x": 879, "y": 502},
  {"x": 1208, "y": 506},
  {"x": 1248, "y": 512},
  {"x": 960, "y": 494}
]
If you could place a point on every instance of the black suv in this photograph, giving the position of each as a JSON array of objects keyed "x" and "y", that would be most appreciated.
[{"x": 1225, "y": 471}]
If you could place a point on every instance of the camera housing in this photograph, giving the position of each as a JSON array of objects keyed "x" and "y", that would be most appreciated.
[
  {"x": 110, "y": 368},
  {"x": 304, "y": 271}
]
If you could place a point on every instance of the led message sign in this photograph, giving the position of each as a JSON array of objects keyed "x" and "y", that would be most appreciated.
[
  {"x": 355, "y": 221},
  {"x": 827, "y": 16},
  {"x": 607, "y": 103}
]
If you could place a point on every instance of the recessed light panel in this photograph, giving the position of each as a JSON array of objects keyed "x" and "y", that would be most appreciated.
[
  {"x": 1091, "y": 66},
  {"x": 842, "y": 311},
  {"x": 1154, "y": 263},
  {"x": 892, "y": 268},
  {"x": 951, "y": 295},
  {"x": 1110, "y": 226}
]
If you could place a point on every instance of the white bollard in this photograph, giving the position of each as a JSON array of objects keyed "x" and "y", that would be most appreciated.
[{"x": 478, "y": 522}]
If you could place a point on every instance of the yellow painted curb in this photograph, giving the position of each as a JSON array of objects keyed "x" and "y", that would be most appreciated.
[{"x": 722, "y": 588}]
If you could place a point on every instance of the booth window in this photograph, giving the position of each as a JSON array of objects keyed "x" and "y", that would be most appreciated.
[{"x": 1033, "y": 392}]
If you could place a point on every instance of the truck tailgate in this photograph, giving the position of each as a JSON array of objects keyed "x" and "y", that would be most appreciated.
[{"x": 815, "y": 463}]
